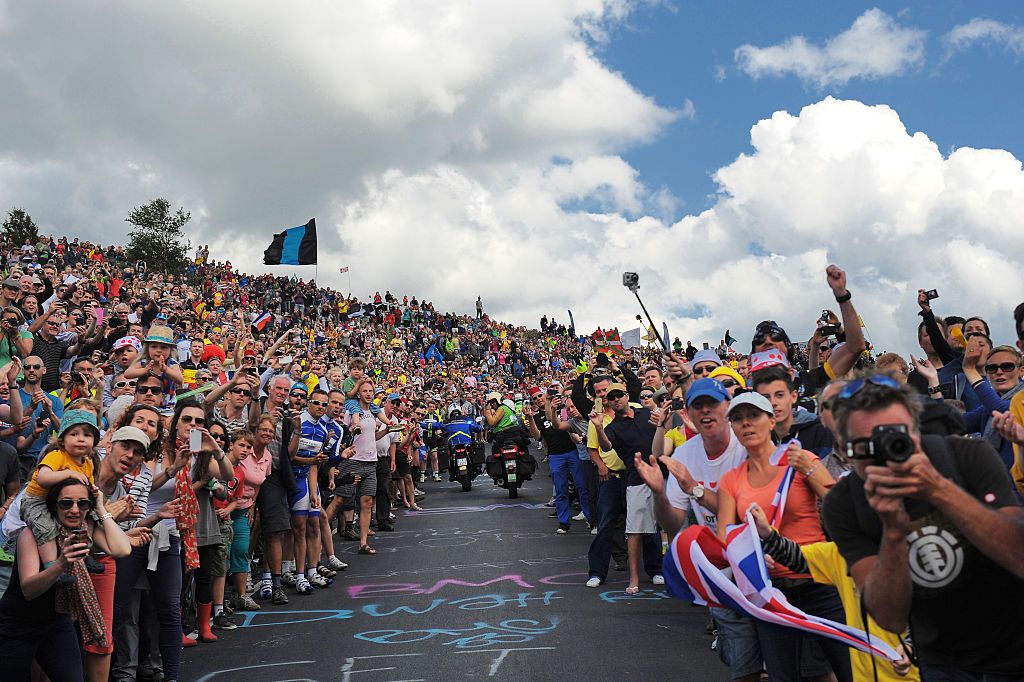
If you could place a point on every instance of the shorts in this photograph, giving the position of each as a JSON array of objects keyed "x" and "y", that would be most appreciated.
[
  {"x": 298, "y": 502},
  {"x": 640, "y": 510},
  {"x": 272, "y": 503},
  {"x": 738, "y": 646},
  {"x": 367, "y": 473},
  {"x": 219, "y": 567},
  {"x": 401, "y": 466},
  {"x": 37, "y": 517}
]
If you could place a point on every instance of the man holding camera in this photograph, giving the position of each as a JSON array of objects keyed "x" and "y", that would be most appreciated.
[{"x": 933, "y": 535}]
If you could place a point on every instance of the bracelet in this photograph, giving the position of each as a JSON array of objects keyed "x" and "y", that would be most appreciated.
[
  {"x": 810, "y": 471},
  {"x": 932, "y": 390},
  {"x": 106, "y": 516},
  {"x": 844, "y": 298}
]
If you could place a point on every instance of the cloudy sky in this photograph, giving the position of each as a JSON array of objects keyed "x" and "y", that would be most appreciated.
[{"x": 529, "y": 152}]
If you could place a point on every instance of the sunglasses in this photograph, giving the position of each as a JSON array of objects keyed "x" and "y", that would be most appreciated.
[
  {"x": 239, "y": 391},
  {"x": 318, "y": 403},
  {"x": 614, "y": 395},
  {"x": 124, "y": 384},
  {"x": 153, "y": 390},
  {"x": 33, "y": 366},
  {"x": 67, "y": 503},
  {"x": 219, "y": 436},
  {"x": 854, "y": 387},
  {"x": 645, "y": 396},
  {"x": 1006, "y": 367},
  {"x": 729, "y": 383},
  {"x": 704, "y": 370}
]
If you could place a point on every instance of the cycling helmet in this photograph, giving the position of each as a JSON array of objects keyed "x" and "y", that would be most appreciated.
[{"x": 455, "y": 413}]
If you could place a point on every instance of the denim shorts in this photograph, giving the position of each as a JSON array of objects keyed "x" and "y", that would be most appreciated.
[{"x": 738, "y": 646}]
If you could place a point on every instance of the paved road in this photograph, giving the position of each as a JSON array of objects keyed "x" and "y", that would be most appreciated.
[{"x": 475, "y": 587}]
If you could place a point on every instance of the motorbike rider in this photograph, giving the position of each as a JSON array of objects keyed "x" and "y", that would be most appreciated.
[
  {"x": 505, "y": 425},
  {"x": 459, "y": 430},
  {"x": 433, "y": 427}
]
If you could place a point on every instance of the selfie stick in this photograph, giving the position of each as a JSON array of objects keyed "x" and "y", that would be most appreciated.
[{"x": 635, "y": 288}]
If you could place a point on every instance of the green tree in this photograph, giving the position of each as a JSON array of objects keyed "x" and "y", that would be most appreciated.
[
  {"x": 19, "y": 226},
  {"x": 158, "y": 236}
]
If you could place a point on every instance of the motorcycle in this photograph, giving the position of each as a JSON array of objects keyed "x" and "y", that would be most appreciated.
[
  {"x": 462, "y": 465},
  {"x": 510, "y": 466}
]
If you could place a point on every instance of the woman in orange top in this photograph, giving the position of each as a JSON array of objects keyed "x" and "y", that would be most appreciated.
[{"x": 757, "y": 480}]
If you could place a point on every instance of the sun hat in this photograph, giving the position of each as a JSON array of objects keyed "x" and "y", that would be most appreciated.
[
  {"x": 131, "y": 433},
  {"x": 751, "y": 398},
  {"x": 160, "y": 334},
  {"x": 73, "y": 418}
]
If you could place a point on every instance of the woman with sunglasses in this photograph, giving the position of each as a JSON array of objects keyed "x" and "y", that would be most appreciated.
[
  {"x": 34, "y": 620},
  {"x": 1002, "y": 381},
  {"x": 15, "y": 341},
  {"x": 162, "y": 563},
  {"x": 757, "y": 481}
]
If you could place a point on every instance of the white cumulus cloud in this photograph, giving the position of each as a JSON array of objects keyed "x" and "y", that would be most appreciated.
[{"x": 875, "y": 46}]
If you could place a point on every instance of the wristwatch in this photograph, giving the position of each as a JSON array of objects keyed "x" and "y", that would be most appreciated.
[{"x": 697, "y": 492}]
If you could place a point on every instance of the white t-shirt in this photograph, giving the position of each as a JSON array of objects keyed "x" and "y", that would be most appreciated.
[{"x": 707, "y": 472}]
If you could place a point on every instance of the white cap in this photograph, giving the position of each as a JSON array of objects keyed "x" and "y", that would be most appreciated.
[{"x": 751, "y": 398}]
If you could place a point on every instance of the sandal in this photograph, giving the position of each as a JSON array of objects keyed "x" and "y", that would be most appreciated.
[
  {"x": 366, "y": 549},
  {"x": 633, "y": 589}
]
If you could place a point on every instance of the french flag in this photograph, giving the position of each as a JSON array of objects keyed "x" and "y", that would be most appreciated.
[
  {"x": 695, "y": 569},
  {"x": 260, "y": 322}
]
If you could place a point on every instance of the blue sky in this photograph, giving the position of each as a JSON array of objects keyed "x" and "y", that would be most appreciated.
[{"x": 672, "y": 52}]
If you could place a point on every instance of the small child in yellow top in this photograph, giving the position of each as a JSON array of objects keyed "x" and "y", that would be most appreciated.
[{"x": 73, "y": 458}]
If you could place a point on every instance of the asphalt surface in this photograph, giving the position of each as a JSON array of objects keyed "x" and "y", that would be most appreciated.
[{"x": 476, "y": 587}]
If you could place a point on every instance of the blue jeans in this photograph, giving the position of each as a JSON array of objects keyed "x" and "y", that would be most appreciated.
[
  {"x": 611, "y": 504},
  {"x": 165, "y": 589},
  {"x": 53, "y": 645},
  {"x": 562, "y": 464}
]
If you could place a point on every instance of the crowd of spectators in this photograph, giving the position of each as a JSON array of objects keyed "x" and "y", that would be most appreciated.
[{"x": 174, "y": 448}]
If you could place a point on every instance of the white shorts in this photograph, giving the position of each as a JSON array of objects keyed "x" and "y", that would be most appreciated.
[{"x": 639, "y": 510}]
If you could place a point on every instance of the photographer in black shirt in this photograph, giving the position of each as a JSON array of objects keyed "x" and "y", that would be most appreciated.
[{"x": 933, "y": 535}]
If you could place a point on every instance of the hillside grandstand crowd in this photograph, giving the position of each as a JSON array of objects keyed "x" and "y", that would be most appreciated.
[{"x": 178, "y": 448}]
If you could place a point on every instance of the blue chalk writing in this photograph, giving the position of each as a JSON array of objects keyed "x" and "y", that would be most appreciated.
[{"x": 515, "y": 631}]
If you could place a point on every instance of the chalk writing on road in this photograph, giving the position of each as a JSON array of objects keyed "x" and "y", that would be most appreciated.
[
  {"x": 255, "y": 619},
  {"x": 480, "y": 634},
  {"x": 467, "y": 510},
  {"x": 381, "y": 590}
]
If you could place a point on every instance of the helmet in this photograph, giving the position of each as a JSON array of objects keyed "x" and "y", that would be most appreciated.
[
  {"x": 493, "y": 395},
  {"x": 455, "y": 413}
]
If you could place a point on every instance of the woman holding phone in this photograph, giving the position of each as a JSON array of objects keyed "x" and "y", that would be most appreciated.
[{"x": 35, "y": 623}]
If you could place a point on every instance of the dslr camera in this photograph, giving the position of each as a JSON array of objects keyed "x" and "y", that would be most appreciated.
[{"x": 890, "y": 443}]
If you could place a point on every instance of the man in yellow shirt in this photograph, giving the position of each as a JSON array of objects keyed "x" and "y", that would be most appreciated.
[{"x": 609, "y": 540}]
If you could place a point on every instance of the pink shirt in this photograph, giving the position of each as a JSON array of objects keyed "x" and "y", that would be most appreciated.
[{"x": 256, "y": 471}]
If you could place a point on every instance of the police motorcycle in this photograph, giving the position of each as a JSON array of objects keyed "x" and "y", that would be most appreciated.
[
  {"x": 465, "y": 454},
  {"x": 510, "y": 463}
]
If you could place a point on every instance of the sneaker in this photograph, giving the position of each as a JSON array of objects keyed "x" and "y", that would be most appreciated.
[
  {"x": 224, "y": 622},
  {"x": 317, "y": 580},
  {"x": 245, "y": 603},
  {"x": 266, "y": 589},
  {"x": 553, "y": 515},
  {"x": 391, "y": 517},
  {"x": 437, "y": 477},
  {"x": 550, "y": 503},
  {"x": 418, "y": 494},
  {"x": 580, "y": 517},
  {"x": 593, "y": 528},
  {"x": 288, "y": 579},
  {"x": 658, "y": 580},
  {"x": 325, "y": 571},
  {"x": 563, "y": 528},
  {"x": 593, "y": 581},
  {"x": 302, "y": 586},
  {"x": 280, "y": 598},
  {"x": 335, "y": 564}
]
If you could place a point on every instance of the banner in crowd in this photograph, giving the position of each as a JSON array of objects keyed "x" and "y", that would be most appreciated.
[{"x": 294, "y": 246}]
